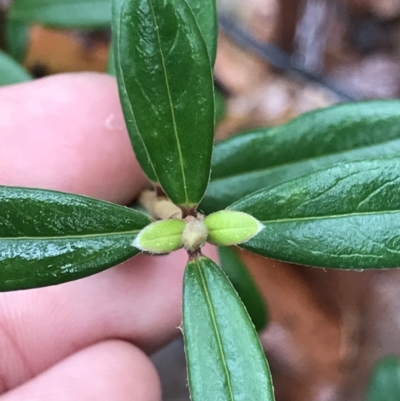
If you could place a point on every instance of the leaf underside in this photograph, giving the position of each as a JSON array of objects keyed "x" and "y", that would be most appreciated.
[
  {"x": 111, "y": 62},
  {"x": 50, "y": 237},
  {"x": 224, "y": 356},
  {"x": 17, "y": 38},
  {"x": 62, "y": 13},
  {"x": 269, "y": 156},
  {"x": 347, "y": 217},
  {"x": 385, "y": 382},
  {"x": 245, "y": 285},
  {"x": 11, "y": 72}
]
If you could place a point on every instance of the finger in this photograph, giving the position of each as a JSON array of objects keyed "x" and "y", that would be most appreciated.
[
  {"x": 139, "y": 301},
  {"x": 107, "y": 371},
  {"x": 67, "y": 133}
]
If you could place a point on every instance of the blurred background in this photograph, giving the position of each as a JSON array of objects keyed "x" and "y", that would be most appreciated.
[{"x": 277, "y": 59}]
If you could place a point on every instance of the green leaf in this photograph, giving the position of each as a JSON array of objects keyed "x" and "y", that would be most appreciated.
[
  {"x": 224, "y": 357},
  {"x": 62, "y": 13},
  {"x": 17, "y": 37},
  {"x": 220, "y": 106},
  {"x": 111, "y": 62},
  {"x": 167, "y": 95},
  {"x": 346, "y": 216},
  {"x": 11, "y": 72},
  {"x": 205, "y": 12},
  {"x": 51, "y": 237},
  {"x": 136, "y": 139},
  {"x": 269, "y": 156},
  {"x": 385, "y": 382},
  {"x": 245, "y": 286}
]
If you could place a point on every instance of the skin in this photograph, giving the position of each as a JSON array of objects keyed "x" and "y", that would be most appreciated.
[{"x": 88, "y": 339}]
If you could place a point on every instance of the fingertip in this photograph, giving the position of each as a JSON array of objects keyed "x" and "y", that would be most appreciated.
[
  {"x": 67, "y": 132},
  {"x": 111, "y": 370}
]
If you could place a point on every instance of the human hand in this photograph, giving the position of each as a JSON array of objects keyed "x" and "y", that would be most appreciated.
[{"x": 88, "y": 339}]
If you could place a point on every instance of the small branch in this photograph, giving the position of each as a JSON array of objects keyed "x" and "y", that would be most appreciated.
[
  {"x": 194, "y": 254},
  {"x": 160, "y": 192},
  {"x": 188, "y": 212}
]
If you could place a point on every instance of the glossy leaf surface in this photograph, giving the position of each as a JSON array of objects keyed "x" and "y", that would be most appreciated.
[
  {"x": 205, "y": 12},
  {"x": 247, "y": 163},
  {"x": 63, "y": 13},
  {"x": 166, "y": 90},
  {"x": 11, "y": 72},
  {"x": 245, "y": 286},
  {"x": 50, "y": 237},
  {"x": 17, "y": 37},
  {"x": 224, "y": 356},
  {"x": 347, "y": 216},
  {"x": 385, "y": 382}
]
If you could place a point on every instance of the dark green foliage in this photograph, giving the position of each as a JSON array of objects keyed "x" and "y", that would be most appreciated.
[
  {"x": 224, "y": 355},
  {"x": 346, "y": 217},
  {"x": 51, "y": 237},
  {"x": 166, "y": 89},
  {"x": 268, "y": 156}
]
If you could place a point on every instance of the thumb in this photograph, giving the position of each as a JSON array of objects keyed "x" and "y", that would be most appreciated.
[{"x": 67, "y": 133}]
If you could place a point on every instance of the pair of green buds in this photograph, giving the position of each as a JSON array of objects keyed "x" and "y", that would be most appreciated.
[{"x": 223, "y": 228}]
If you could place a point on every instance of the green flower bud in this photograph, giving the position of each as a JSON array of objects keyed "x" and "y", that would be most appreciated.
[
  {"x": 228, "y": 227},
  {"x": 162, "y": 236}
]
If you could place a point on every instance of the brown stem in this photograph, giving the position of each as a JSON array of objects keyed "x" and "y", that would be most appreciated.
[
  {"x": 194, "y": 254},
  {"x": 160, "y": 192},
  {"x": 188, "y": 211}
]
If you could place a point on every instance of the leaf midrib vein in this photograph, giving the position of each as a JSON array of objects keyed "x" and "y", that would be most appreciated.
[
  {"x": 84, "y": 236},
  {"x": 326, "y": 217},
  {"x": 217, "y": 335},
  {"x": 170, "y": 102},
  {"x": 262, "y": 170}
]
